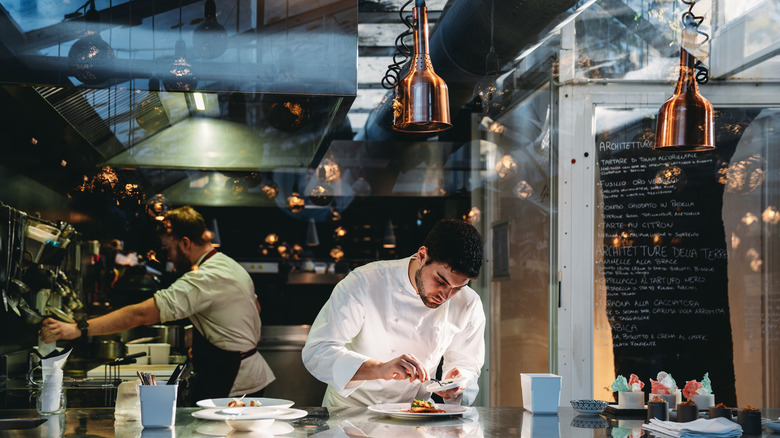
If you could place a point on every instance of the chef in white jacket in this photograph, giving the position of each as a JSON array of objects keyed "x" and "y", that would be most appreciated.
[{"x": 381, "y": 335}]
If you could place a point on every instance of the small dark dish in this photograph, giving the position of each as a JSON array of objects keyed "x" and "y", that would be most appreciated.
[
  {"x": 659, "y": 410},
  {"x": 750, "y": 421},
  {"x": 589, "y": 407},
  {"x": 686, "y": 413},
  {"x": 720, "y": 412},
  {"x": 589, "y": 422}
]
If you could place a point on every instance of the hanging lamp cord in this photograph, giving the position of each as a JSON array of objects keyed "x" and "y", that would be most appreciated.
[
  {"x": 690, "y": 20},
  {"x": 402, "y": 51}
]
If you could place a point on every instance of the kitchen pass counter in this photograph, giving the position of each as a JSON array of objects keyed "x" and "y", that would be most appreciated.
[{"x": 131, "y": 371}]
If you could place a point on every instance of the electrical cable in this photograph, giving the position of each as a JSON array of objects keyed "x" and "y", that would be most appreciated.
[
  {"x": 392, "y": 76},
  {"x": 690, "y": 20}
]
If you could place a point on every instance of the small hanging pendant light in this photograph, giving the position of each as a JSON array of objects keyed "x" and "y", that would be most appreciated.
[
  {"x": 91, "y": 58},
  {"x": 210, "y": 38},
  {"x": 421, "y": 101},
  {"x": 685, "y": 120}
]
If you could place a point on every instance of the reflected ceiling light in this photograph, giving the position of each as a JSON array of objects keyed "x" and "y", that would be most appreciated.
[
  {"x": 506, "y": 167},
  {"x": 321, "y": 194},
  {"x": 388, "y": 241},
  {"x": 473, "y": 216},
  {"x": 749, "y": 218},
  {"x": 157, "y": 206},
  {"x": 270, "y": 190},
  {"x": 209, "y": 39},
  {"x": 337, "y": 253},
  {"x": 685, "y": 120},
  {"x": 312, "y": 238},
  {"x": 295, "y": 201},
  {"x": 770, "y": 215},
  {"x": 669, "y": 175},
  {"x": 334, "y": 215},
  {"x": 361, "y": 187},
  {"x": 287, "y": 113},
  {"x": 421, "y": 103},
  {"x": 91, "y": 58},
  {"x": 272, "y": 239},
  {"x": 150, "y": 113},
  {"x": 746, "y": 175},
  {"x": 328, "y": 171},
  {"x": 523, "y": 190},
  {"x": 179, "y": 75},
  {"x": 237, "y": 186}
]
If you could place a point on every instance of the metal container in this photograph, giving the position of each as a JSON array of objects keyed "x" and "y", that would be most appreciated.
[{"x": 109, "y": 349}]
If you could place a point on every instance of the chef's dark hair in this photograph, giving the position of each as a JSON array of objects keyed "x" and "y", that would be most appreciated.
[
  {"x": 185, "y": 222},
  {"x": 457, "y": 244}
]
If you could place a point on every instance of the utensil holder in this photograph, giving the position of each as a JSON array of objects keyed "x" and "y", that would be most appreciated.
[{"x": 158, "y": 405}]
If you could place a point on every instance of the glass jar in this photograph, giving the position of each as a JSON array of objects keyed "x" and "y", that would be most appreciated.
[{"x": 51, "y": 400}]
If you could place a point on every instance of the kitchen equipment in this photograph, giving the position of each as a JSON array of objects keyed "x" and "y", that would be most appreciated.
[
  {"x": 281, "y": 347},
  {"x": 177, "y": 372},
  {"x": 109, "y": 349}
]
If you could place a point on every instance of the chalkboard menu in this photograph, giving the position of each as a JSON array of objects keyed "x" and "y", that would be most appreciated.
[{"x": 661, "y": 254}]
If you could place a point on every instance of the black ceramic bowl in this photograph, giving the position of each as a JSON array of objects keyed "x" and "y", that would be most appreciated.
[
  {"x": 659, "y": 410},
  {"x": 750, "y": 421},
  {"x": 720, "y": 412},
  {"x": 686, "y": 413}
]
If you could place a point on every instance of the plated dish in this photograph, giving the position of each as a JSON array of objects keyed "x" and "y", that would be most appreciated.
[
  {"x": 263, "y": 401},
  {"x": 773, "y": 425},
  {"x": 220, "y": 414},
  {"x": 445, "y": 384},
  {"x": 401, "y": 410}
]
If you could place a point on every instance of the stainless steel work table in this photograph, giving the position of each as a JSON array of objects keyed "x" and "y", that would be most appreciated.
[{"x": 352, "y": 422}]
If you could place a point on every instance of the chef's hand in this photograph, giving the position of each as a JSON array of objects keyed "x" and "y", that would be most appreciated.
[
  {"x": 402, "y": 367},
  {"x": 52, "y": 330},
  {"x": 452, "y": 392}
]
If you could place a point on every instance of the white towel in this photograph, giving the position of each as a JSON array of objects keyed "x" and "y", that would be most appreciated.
[{"x": 715, "y": 427}]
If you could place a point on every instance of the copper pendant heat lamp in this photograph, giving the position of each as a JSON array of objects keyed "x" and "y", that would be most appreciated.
[
  {"x": 685, "y": 120},
  {"x": 421, "y": 101}
]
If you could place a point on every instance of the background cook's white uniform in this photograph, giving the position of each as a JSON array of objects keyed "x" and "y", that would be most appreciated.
[{"x": 376, "y": 313}]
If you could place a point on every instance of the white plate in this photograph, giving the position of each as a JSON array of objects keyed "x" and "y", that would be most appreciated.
[
  {"x": 435, "y": 386},
  {"x": 399, "y": 410},
  {"x": 774, "y": 425},
  {"x": 222, "y": 429},
  {"x": 218, "y": 414},
  {"x": 264, "y": 402}
]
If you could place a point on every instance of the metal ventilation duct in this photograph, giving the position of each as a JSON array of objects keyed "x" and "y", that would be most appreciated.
[{"x": 461, "y": 41}]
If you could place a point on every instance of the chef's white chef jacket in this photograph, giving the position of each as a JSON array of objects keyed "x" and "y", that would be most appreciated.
[
  {"x": 219, "y": 299},
  {"x": 375, "y": 313}
]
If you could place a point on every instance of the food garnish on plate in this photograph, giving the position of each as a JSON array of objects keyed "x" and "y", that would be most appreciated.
[
  {"x": 424, "y": 407},
  {"x": 237, "y": 403}
]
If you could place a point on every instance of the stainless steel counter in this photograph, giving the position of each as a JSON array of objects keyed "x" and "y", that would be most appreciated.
[{"x": 353, "y": 422}]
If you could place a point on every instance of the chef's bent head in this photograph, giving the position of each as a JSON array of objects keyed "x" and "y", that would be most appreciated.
[
  {"x": 450, "y": 257},
  {"x": 184, "y": 236}
]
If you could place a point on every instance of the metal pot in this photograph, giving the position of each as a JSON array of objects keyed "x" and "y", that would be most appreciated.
[{"x": 109, "y": 349}]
